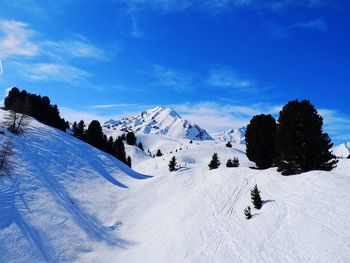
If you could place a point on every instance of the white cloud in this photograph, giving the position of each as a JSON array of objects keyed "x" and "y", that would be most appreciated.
[
  {"x": 73, "y": 48},
  {"x": 179, "y": 80},
  {"x": 16, "y": 40},
  {"x": 55, "y": 72},
  {"x": 316, "y": 24},
  {"x": 109, "y": 106},
  {"x": 228, "y": 78}
]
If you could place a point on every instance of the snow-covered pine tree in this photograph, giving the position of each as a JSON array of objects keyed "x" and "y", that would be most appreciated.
[
  {"x": 248, "y": 213},
  {"x": 255, "y": 196},
  {"x": 172, "y": 164},
  {"x": 215, "y": 162}
]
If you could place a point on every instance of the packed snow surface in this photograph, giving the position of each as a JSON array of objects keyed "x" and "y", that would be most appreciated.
[
  {"x": 68, "y": 202},
  {"x": 160, "y": 121},
  {"x": 236, "y": 135}
]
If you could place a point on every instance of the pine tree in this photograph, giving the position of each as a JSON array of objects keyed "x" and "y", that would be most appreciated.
[
  {"x": 94, "y": 135},
  {"x": 300, "y": 141},
  {"x": 229, "y": 163},
  {"x": 80, "y": 131},
  {"x": 255, "y": 196},
  {"x": 215, "y": 162},
  {"x": 159, "y": 153},
  {"x": 140, "y": 146},
  {"x": 120, "y": 149},
  {"x": 348, "y": 156},
  {"x": 130, "y": 138},
  {"x": 248, "y": 213},
  {"x": 172, "y": 164},
  {"x": 260, "y": 140},
  {"x": 191, "y": 141},
  {"x": 128, "y": 161},
  {"x": 228, "y": 144}
]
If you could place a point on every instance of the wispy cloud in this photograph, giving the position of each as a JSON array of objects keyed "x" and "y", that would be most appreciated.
[
  {"x": 77, "y": 47},
  {"x": 316, "y": 24},
  {"x": 55, "y": 72},
  {"x": 228, "y": 78},
  {"x": 110, "y": 106},
  {"x": 16, "y": 40},
  {"x": 46, "y": 59},
  {"x": 179, "y": 80}
]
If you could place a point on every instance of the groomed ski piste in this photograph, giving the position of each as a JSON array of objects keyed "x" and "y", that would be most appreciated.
[{"x": 68, "y": 202}]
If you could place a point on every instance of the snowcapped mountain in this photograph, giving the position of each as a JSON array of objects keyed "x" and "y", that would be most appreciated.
[
  {"x": 160, "y": 121},
  {"x": 342, "y": 150},
  {"x": 236, "y": 135}
]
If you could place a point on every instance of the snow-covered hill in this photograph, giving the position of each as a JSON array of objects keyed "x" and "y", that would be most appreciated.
[
  {"x": 342, "y": 150},
  {"x": 236, "y": 135},
  {"x": 68, "y": 202},
  {"x": 160, "y": 121}
]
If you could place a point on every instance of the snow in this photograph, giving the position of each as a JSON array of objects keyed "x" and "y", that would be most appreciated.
[
  {"x": 342, "y": 150},
  {"x": 68, "y": 202},
  {"x": 160, "y": 121},
  {"x": 235, "y": 135}
]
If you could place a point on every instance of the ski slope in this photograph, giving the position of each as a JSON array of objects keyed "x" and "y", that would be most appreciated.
[{"x": 68, "y": 202}]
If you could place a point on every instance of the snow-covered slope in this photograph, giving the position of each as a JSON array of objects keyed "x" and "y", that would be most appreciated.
[
  {"x": 161, "y": 121},
  {"x": 60, "y": 202},
  {"x": 236, "y": 135},
  {"x": 68, "y": 202},
  {"x": 342, "y": 150}
]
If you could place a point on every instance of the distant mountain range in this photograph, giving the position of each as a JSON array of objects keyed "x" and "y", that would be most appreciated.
[
  {"x": 160, "y": 121},
  {"x": 236, "y": 135}
]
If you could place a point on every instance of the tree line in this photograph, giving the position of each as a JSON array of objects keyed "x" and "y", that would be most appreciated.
[
  {"x": 36, "y": 106},
  {"x": 295, "y": 143},
  {"x": 40, "y": 108}
]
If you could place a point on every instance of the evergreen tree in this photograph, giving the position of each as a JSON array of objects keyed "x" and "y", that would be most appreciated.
[
  {"x": 191, "y": 141},
  {"x": 215, "y": 162},
  {"x": 260, "y": 140},
  {"x": 159, "y": 153},
  {"x": 255, "y": 196},
  {"x": 74, "y": 128},
  {"x": 248, "y": 213},
  {"x": 140, "y": 146},
  {"x": 348, "y": 156},
  {"x": 300, "y": 141},
  {"x": 172, "y": 164},
  {"x": 232, "y": 162},
  {"x": 80, "y": 131},
  {"x": 128, "y": 161},
  {"x": 131, "y": 138},
  {"x": 228, "y": 144},
  {"x": 94, "y": 135},
  {"x": 120, "y": 149},
  {"x": 110, "y": 146}
]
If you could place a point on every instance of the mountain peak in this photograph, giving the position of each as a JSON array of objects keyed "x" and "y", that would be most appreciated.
[{"x": 161, "y": 121}]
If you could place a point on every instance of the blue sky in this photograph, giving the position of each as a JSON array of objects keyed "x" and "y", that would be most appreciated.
[{"x": 217, "y": 62}]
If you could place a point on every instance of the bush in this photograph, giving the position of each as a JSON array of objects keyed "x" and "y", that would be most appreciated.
[
  {"x": 159, "y": 153},
  {"x": 248, "y": 213},
  {"x": 228, "y": 144},
  {"x": 260, "y": 141},
  {"x": 300, "y": 141},
  {"x": 215, "y": 162},
  {"x": 232, "y": 162}
]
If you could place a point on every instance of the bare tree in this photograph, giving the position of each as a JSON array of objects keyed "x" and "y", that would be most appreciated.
[
  {"x": 6, "y": 150},
  {"x": 17, "y": 120}
]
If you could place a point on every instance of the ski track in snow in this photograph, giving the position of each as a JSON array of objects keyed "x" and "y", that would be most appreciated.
[{"x": 68, "y": 202}]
